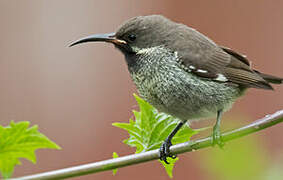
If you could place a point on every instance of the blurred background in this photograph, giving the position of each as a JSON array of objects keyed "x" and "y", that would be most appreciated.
[{"x": 75, "y": 94}]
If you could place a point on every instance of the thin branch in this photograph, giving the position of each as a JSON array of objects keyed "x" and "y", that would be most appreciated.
[{"x": 267, "y": 121}]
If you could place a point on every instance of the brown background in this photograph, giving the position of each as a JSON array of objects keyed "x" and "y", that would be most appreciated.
[{"x": 74, "y": 94}]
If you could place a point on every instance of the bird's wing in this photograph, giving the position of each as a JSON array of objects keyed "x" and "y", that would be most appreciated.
[{"x": 202, "y": 57}]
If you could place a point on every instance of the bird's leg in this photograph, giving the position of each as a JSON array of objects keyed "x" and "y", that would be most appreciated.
[
  {"x": 165, "y": 147},
  {"x": 216, "y": 134}
]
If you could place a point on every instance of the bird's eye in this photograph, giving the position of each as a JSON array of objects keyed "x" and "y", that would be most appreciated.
[{"x": 132, "y": 37}]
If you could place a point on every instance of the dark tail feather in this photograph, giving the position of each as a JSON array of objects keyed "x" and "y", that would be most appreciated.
[{"x": 270, "y": 78}]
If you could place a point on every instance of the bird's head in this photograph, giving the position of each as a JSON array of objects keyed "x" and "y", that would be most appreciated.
[{"x": 136, "y": 34}]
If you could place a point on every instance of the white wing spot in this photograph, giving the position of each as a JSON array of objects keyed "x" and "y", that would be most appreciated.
[
  {"x": 202, "y": 71},
  {"x": 192, "y": 67},
  {"x": 221, "y": 77}
]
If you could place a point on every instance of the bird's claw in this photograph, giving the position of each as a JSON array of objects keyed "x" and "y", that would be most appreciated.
[
  {"x": 165, "y": 151},
  {"x": 216, "y": 137}
]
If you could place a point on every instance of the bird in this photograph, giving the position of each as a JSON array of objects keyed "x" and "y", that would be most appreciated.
[{"x": 182, "y": 72}]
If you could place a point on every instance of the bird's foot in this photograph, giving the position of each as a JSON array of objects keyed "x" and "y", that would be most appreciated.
[
  {"x": 165, "y": 151},
  {"x": 216, "y": 137}
]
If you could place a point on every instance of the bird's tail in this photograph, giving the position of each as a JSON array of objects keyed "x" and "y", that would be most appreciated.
[{"x": 270, "y": 78}]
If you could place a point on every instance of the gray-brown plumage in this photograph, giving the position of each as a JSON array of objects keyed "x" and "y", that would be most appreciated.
[
  {"x": 194, "y": 49},
  {"x": 182, "y": 72}
]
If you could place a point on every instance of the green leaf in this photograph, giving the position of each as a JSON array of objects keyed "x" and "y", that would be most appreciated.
[
  {"x": 115, "y": 155},
  {"x": 150, "y": 128},
  {"x": 169, "y": 167},
  {"x": 19, "y": 141}
]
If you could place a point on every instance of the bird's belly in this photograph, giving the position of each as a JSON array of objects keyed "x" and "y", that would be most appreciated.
[{"x": 186, "y": 96}]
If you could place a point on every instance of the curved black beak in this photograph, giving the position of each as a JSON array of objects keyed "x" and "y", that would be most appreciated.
[{"x": 100, "y": 38}]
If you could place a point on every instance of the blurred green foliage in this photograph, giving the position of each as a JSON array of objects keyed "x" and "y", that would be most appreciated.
[{"x": 244, "y": 158}]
